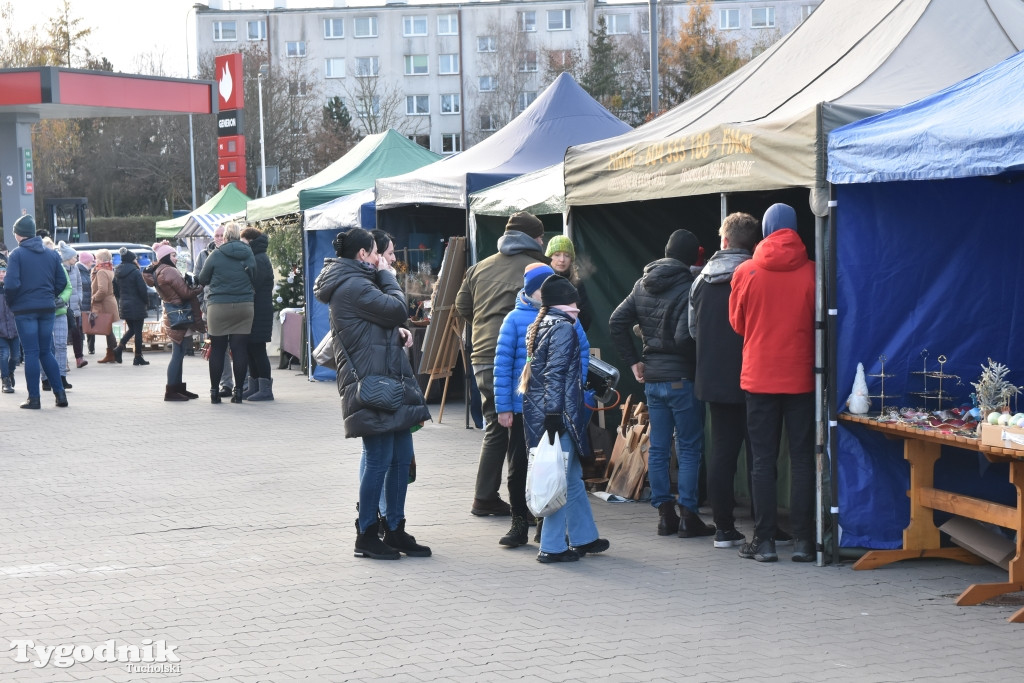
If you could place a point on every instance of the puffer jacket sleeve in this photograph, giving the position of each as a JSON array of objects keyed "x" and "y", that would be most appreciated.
[
  {"x": 620, "y": 326},
  {"x": 384, "y": 304},
  {"x": 581, "y": 335},
  {"x": 464, "y": 297},
  {"x": 562, "y": 351},
  {"x": 504, "y": 366}
]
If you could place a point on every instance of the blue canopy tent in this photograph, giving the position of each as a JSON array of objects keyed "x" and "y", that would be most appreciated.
[
  {"x": 320, "y": 225},
  {"x": 926, "y": 253}
]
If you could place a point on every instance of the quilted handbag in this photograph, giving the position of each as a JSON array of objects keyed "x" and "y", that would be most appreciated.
[
  {"x": 378, "y": 392},
  {"x": 179, "y": 316}
]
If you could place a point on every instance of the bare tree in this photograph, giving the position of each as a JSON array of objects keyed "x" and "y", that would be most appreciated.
[
  {"x": 513, "y": 65},
  {"x": 377, "y": 104}
]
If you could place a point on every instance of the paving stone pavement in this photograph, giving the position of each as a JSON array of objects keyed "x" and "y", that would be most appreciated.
[{"x": 226, "y": 532}]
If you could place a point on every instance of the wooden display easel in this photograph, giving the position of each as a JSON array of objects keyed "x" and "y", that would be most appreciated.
[{"x": 447, "y": 355}]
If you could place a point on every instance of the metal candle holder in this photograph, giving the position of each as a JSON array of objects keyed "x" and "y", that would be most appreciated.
[{"x": 881, "y": 395}]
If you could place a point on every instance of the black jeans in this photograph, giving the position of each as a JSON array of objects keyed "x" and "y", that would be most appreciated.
[
  {"x": 494, "y": 449},
  {"x": 517, "y": 464},
  {"x": 134, "y": 330},
  {"x": 728, "y": 433},
  {"x": 765, "y": 413},
  {"x": 239, "y": 358},
  {"x": 259, "y": 362}
]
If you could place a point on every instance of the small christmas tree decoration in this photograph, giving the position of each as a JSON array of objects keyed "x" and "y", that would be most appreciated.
[{"x": 992, "y": 390}]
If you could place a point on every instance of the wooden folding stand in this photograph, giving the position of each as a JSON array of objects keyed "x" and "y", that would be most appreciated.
[{"x": 447, "y": 355}]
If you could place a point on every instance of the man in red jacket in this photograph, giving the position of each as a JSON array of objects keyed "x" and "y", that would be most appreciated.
[{"x": 772, "y": 308}]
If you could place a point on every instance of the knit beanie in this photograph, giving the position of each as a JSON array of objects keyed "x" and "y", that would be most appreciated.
[
  {"x": 777, "y": 217},
  {"x": 683, "y": 246},
  {"x": 163, "y": 249},
  {"x": 65, "y": 251},
  {"x": 127, "y": 255},
  {"x": 525, "y": 222},
  {"x": 25, "y": 226},
  {"x": 534, "y": 277},
  {"x": 557, "y": 291},
  {"x": 560, "y": 243},
  {"x": 86, "y": 258}
]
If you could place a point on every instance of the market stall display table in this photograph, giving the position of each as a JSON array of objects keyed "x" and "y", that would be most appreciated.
[{"x": 921, "y": 448}]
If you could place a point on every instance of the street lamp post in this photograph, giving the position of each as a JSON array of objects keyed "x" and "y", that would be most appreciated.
[
  {"x": 264, "y": 70},
  {"x": 188, "y": 74}
]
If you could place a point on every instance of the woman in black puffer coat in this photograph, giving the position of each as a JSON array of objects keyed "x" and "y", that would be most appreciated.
[
  {"x": 261, "y": 385},
  {"x": 367, "y": 311},
  {"x": 132, "y": 301}
]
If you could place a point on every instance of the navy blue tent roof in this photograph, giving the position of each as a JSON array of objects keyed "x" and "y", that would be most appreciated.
[{"x": 970, "y": 129}]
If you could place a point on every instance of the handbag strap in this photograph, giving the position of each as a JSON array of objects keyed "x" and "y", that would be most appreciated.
[{"x": 336, "y": 338}]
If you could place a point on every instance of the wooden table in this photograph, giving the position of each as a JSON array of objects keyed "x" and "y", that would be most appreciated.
[{"x": 921, "y": 448}]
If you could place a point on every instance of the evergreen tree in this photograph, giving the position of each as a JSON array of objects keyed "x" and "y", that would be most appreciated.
[{"x": 601, "y": 78}]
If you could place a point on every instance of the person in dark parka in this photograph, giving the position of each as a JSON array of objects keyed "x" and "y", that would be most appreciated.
[
  {"x": 132, "y": 301},
  {"x": 261, "y": 385},
  {"x": 367, "y": 309}
]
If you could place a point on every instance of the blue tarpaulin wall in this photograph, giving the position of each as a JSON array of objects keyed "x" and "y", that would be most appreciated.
[
  {"x": 929, "y": 251},
  {"x": 922, "y": 265},
  {"x": 319, "y": 245}
]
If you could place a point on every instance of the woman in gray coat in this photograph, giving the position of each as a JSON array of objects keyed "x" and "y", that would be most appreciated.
[{"x": 367, "y": 310}]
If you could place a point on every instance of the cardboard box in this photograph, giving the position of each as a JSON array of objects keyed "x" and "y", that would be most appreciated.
[
  {"x": 999, "y": 436},
  {"x": 980, "y": 539}
]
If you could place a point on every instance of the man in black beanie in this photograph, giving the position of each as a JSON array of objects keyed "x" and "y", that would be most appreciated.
[
  {"x": 487, "y": 294},
  {"x": 659, "y": 303}
]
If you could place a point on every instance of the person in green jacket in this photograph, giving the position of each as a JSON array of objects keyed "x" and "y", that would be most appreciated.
[{"x": 230, "y": 272}]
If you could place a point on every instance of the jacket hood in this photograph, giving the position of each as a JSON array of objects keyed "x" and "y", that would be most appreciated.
[
  {"x": 335, "y": 272},
  {"x": 665, "y": 273},
  {"x": 235, "y": 249},
  {"x": 514, "y": 242},
  {"x": 721, "y": 266},
  {"x": 259, "y": 245},
  {"x": 525, "y": 303},
  {"x": 782, "y": 250},
  {"x": 125, "y": 269},
  {"x": 34, "y": 244}
]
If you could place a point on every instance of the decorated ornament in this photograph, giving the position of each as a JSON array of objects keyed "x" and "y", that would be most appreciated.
[{"x": 858, "y": 402}]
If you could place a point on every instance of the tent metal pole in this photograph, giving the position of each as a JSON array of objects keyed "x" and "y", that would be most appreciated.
[
  {"x": 307, "y": 318},
  {"x": 832, "y": 337},
  {"x": 819, "y": 356}
]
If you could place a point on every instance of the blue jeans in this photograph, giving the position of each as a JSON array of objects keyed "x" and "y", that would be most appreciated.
[
  {"x": 387, "y": 462},
  {"x": 35, "y": 330},
  {"x": 575, "y": 518},
  {"x": 175, "y": 365},
  {"x": 10, "y": 350},
  {"x": 673, "y": 407},
  {"x": 383, "y": 505}
]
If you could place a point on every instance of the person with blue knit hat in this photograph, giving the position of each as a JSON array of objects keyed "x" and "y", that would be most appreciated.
[
  {"x": 509, "y": 360},
  {"x": 772, "y": 307}
]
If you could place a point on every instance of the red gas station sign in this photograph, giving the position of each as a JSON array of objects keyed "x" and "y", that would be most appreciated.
[{"x": 230, "y": 121}]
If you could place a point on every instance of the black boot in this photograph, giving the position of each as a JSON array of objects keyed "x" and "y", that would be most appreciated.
[
  {"x": 368, "y": 545},
  {"x": 32, "y": 403},
  {"x": 65, "y": 382},
  {"x": 214, "y": 396},
  {"x": 668, "y": 520},
  {"x": 236, "y": 395},
  {"x": 46, "y": 384},
  {"x": 118, "y": 351},
  {"x": 183, "y": 390},
  {"x": 517, "y": 535},
  {"x": 403, "y": 542},
  {"x": 691, "y": 525},
  {"x": 171, "y": 393},
  {"x": 139, "y": 360},
  {"x": 60, "y": 399},
  {"x": 8, "y": 385}
]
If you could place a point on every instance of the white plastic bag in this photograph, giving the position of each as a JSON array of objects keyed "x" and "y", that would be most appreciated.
[{"x": 545, "y": 477}]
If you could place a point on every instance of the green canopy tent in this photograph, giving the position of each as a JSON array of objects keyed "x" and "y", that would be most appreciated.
[
  {"x": 228, "y": 200},
  {"x": 377, "y": 156}
]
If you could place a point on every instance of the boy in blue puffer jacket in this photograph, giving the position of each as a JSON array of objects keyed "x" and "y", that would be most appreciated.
[{"x": 509, "y": 360}]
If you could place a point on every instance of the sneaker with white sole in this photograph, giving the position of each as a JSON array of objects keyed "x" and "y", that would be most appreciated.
[
  {"x": 762, "y": 551},
  {"x": 727, "y": 538}
]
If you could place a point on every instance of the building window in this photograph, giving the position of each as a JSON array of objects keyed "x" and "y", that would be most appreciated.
[
  {"x": 448, "y": 24},
  {"x": 728, "y": 19},
  {"x": 414, "y": 26},
  {"x": 416, "y": 65},
  {"x": 488, "y": 121},
  {"x": 295, "y": 48},
  {"x": 421, "y": 140},
  {"x": 334, "y": 28},
  {"x": 527, "y": 21},
  {"x": 367, "y": 106},
  {"x": 335, "y": 67},
  {"x": 297, "y": 88},
  {"x": 487, "y": 84},
  {"x": 365, "y": 27},
  {"x": 256, "y": 30},
  {"x": 645, "y": 22},
  {"x": 367, "y": 66},
  {"x": 529, "y": 61},
  {"x": 618, "y": 24},
  {"x": 224, "y": 30},
  {"x": 762, "y": 17},
  {"x": 451, "y": 143},
  {"x": 805, "y": 11},
  {"x": 451, "y": 104},
  {"x": 448, "y": 64},
  {"x": 559, "y": 19},
  {"x": 417, "y": 105},
  {"x": 524, "y": 100},
  {"x": 560, "y": 60},
  {"x": 486, "y": 44}
]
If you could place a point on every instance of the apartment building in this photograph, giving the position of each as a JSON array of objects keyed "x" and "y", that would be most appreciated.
[{"x": 450, "y": 73}]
